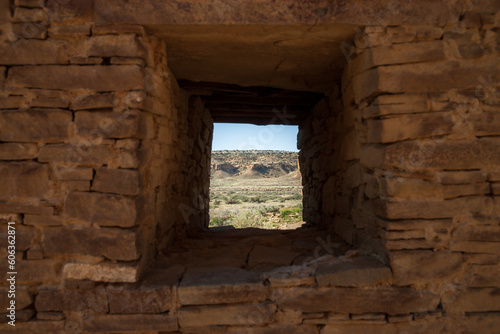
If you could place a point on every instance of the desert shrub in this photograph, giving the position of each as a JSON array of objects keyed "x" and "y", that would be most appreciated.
[
  {"x": 221, "y": 221},
  {"x": 288, "y": 213}
]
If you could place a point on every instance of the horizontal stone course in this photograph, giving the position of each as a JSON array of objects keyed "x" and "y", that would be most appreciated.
[
  {"x": 93, "y": 101},
  {"x": 114, "y": 244},
  {"x": 35, "y": 125},
  {"x": 423, "y": 267},
  {"x": 18, "y": 151},
  {"x": 55, "y": 299},
  {"x": 361, "y": 271},
  {"x": 102, "y": 209},
  {"x": 434, "y": 155},
  {"x": 220, "y": 286},
  {"x": 24, "y": 182},
  {"x": 408, "y": 209},
  {"x": 145, "y": 323},
  {"x": 107, "y": 124},
  {"x": 425, "y": 77},
  {"x": 101, "y": 272},
  {"x": 237, "y": 314},
  {"x": 405, "y": 127},
  {"x": 87, "y": 154},
  {"x": 97, "y": 78},
  {"x": 33, "y": 52},
  {"x": 369, "y": 300},
  {"x": 122, "y": 45}
]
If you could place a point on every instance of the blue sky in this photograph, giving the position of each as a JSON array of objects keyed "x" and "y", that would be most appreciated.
[{"x": 228, "y": 136}]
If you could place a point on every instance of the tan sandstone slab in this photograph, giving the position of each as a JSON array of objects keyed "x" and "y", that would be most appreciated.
[
  {"x": 107, "y": 124},
  {"x": 112, "y": 243},
  {"x": 24, "y": 181},
  {"x": 239, "y": 314},
  {"x": 116, "y": 181},
  {"x": 223, "y": 285},
  {"x": 98, "y": 78},
  {"x": 18, "y": 151},
  {"x": 346, "y": 300},
  {"x": 100, "y": 272},
  {"x": 57, "y": 299},
  {"x": 35, "y": 125},
  {"x": 33, "y": 52},
  {"x": 131, "y": 323},
  {"x": 422, "y": 267},
  {"x": 353, "y": 272},
  {"x": 102, "y": 209}
]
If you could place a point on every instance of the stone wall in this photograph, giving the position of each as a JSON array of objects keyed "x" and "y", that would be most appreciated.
[
  {"x": 104, "y": 161},
  {"x": 100, "y": 150}
]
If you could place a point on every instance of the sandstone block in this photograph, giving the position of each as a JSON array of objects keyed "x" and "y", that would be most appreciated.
[
  {"x": 49, "y": 102},
  {"x": 102, "y": 209},
  {"x": 495, "y": 187},
  {"x": 86, "y": 154},
  {"x": 123, "y": 45},
  {"x": 461, "y": 177},
  {"x": 139, "y": 322},
  {"x": 369, "y": 300},
  {"x": 107, "y": 124},
  {"x": 28, "y": 209},
  {"x": 33, "y": 52},
  {"x": 38, "y": 271},
  {"x": 34, "y": 327},
  {"x": 17, "y": 151},
  {"x": 57, "y": 299},
  {"x": 481, "y": 323},
  {"x": 44, "y": 125},
  {"x": 239, "y": 314},
  {"x": 434, "y": 155},
  {"x": 23, "y": 298},
  {"x": 42, "y": 220},
  {"x": 65, "y": 31},
  {"x": 220, "y": 286},
  {"x": 431, "y": 326},
  {"x": 485, "y": 124},
  {"x": 5, "y": 15},
  {"x": 94, "y": 101},
  {"x": 127, "y": 300},
  {"x": 424, "y": 77},
  {"x": 398, "y": 54},
  {"x": 24, "y": 181},
  {"x": 114, "y": 244},
  {"x": 423, "y": 267},
  {"x": 483, "y": 276},
  {"x": 475, "y": 247},
  {"x": 405, "y": 127},
  {"x": 75, "y": 8},
  {"x": 477, "y": 233},
  {"x": 30, "y": 3},
  {"x": 118, "y": 29},
  {"x": 11, "y": 102},
  {"x": 24, "y": 236},
  {"x": 29, "y": 30},
  {"x": 73, "y": 174},
  {"x": 353, "y": 272},
  {"x": 97, "y": 78},
  {"x": 472, "y": 300},
  {"x": 29, "y": 15},
  {"x": 411, "y": 209},
  {"x": 101, "y": 272}
]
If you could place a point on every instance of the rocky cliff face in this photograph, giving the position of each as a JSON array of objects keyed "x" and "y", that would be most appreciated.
[{"x": 254, "y": 164}]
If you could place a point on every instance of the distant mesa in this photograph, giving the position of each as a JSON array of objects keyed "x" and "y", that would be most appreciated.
[{"x": 254, "y": 164}]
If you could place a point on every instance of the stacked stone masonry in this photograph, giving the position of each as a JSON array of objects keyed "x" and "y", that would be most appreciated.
[{"x": 104, "y": 165}]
